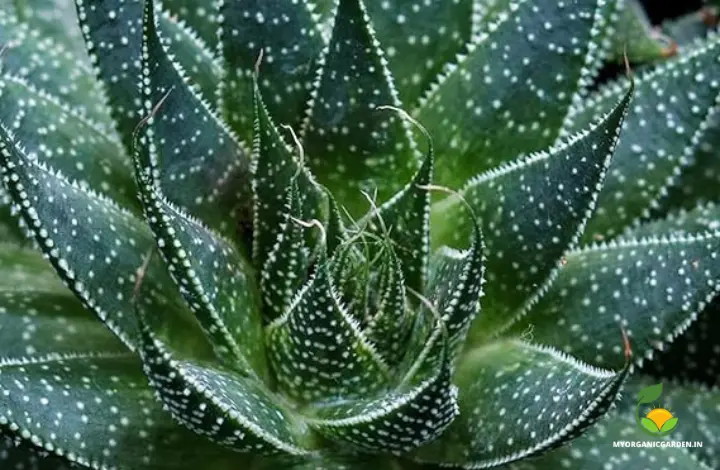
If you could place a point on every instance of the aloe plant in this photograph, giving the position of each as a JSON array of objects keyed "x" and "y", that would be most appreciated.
[{"x": 342, "y": 234}]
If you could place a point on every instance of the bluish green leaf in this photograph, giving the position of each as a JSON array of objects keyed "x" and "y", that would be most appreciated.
[
  {"x": 416, "y": 411},
  {"x": 532, "y": 212},
  {"x": 419, "y": 38},
  {"x": 351, "y": 144},
  {"x": 95, "y": 246},
  {"x": 236, "y": 411},
  {"x": 66, "y": 140},
  {"x": 694, "y": 356},
  {"x": 289, "y": 40},
  {"x": 652, "y": 289},
  {"x": 687, "y": 29},
  {"x": 660, "y": 135},
  {"x": 91, "y": 408},
  {"x": 113, "y": 36},
  {"x": 518, "y": 399},
  {"x": 49, "y": 66},
  {"x": 510, "y": 93},
  {"x": 318, "y": 350},
  {"x": 406, "y": 216},
  {"x": 275, "y": 170}
]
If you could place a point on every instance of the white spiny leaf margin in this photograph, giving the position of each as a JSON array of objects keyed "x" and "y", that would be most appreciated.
[
  {"x": 27, "y": 435},
  {"x": 350, "y": 321},
  {"x": 644, "y": 242},
  {"x": 43, "y": 236},
  {"x": 673, "y": 219},
  {"x": 377, "y": 49},
  {"x": 210, "y": 397},
  {"x": 523, "y": 162},
  {"x": 580, "y": 420},
  {"x": 73, "y": 111}
]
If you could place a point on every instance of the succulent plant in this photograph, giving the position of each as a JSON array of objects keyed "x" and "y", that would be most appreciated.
[{"x": 341, "y": 234}]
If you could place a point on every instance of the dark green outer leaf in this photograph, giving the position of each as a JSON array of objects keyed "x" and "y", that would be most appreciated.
[
  {"x": 66, "y": 140},
  {"x": 290, "y": 41},
  {"x": 518, "y": 399},
  {"x": 635, "y": 37},
  {"x": 95, "y": 246},
  {"x": 19, "y": 455},
  {"x": 419, "y": 38},
  {"x": 660, "y": 135},
  {"x": 48, "y": 66},
  {"x": 200, "y": 17},
  {"x": 318, "y": 350},
  {"x": 10, "y": 231},
  {"x": 53, "y": 18},
  {"x": 531, "y": 212},
  {"x": 695, "y": 355},
  {"x": 511, "y": 92},
  {"x": 275, "y": 169},
  {"x": 352, "y": 145},
  {"x": 652, "y": 289},
  {"x": 680, "y": 223},
  {"x": 92, "y": 408},
  {"x": 595, "y": 451},
  {"x": 201, "y": 165}
]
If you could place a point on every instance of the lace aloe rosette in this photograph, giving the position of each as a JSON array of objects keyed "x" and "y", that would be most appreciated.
[{"x": 257, "y": 258}]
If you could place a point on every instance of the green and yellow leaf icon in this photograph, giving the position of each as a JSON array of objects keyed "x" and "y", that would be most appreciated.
[{"x": 649, "y": 394}]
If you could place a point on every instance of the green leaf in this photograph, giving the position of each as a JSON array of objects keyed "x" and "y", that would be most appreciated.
[
  {"x": 199, "y": 17},
  {"x": 318, "y": 350},
  {"x": 660, "y": 134},
  {"x": 669, "y": 425},
  {"x": 695, "y": 355},
  {"x": 699, "y": 180},
  {"x": 350, "y": 143},
  {"x": 290, "y": 41},
  {"x": 407, "y": 218},
  {"x": 518, "y": 399},
  {"x": 90, "y": 408},
  {"x": 192, "y": 144},
  {"x": 635, "y": 37},
  {"x": 275, "y": 169},
  {"x": 414, "y": 44},
  {"x": 680, "y": 223},
  {"x": 455, "y": 287},
  {"x": 66, "y": 140},
  {"x": 687, "y": 29},
  {"x": 10, "y": 231},
  {"x": 532, "y": 212},
  {"x": 41, "y": 61},
  {"x": 390, "y": 321},
  {"x": 649, "y": 425},
  {"x": 595, "y": 450},
  {"x": 53, "y": 18},
  {"x": 652, "y": 289},
  {"x": 95, "y": 246},
  {"x": 198, "y": 62},
  {"x": 235, "y": 411},
  {"x": 113, "y": 36},
  {"x": 499, "y": 101},
  {"x": 39, "y": 316},
  {"x": 417, "y": 411},
  {"x": 649, "y": 394}
]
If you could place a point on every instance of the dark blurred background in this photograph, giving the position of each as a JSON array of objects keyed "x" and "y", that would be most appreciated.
[{"x": 660, "y": 10}]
